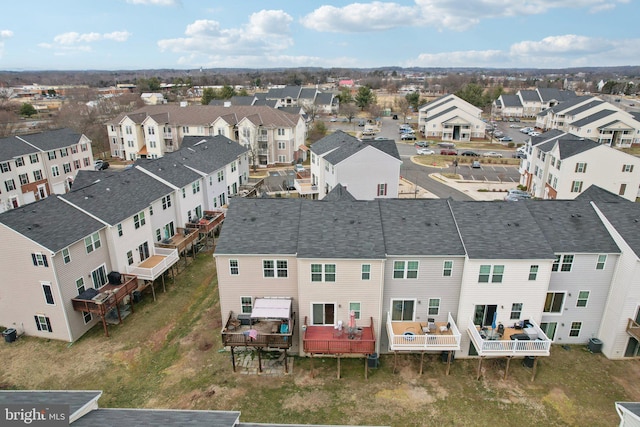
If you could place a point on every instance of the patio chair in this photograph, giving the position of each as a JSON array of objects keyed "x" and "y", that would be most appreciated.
[{"x": 432, "y": 323}]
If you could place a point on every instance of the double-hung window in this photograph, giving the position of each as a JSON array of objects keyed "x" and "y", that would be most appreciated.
[
  {"x": 533, "y": 272},
  {"x": 602, "y": 260},
  {"x": 234, "y": 267},
  {"x": 323, "y": 272},
  {"x": 516, "y": 311},
  {"x": 39, "y": 260},
  {"x": 366, "y": 271},
  {"x": 92, "y": 242},
  {"x": 275, "y": 268},
  {"x": 575, "y": 329},
  {"x": 562, "y": 263},
  {"x": 246, "y": 304},
  {"x": 48, "y": 293},
  {"x": 138, "y": 220},
  {"x": 434, "y": 306},
  {"x": 491, "y": 273},
  {"x": 405, "y": 269},
  {"x": 583, "y": 298},
  {"x": 447, "y": 268}
]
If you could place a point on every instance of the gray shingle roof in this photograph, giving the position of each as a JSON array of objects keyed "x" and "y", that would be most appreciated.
[
  {"x": 53, "y": 139},
  {"x": 324, "y": 98},
  {"x": 569, "y": 147},
  {"x": 529, "y": 95},
  {"x": 625, "y": 217},
  {"x": 339, "y": 192},
  {"x": 592, "y": 118},
  {"x": 118, "y": 196},
  {"x": 75, "y": 399},
  {"x": 171, "y": 169},
  {"x": 593, "y": 193},
  {"x": 581, "y": 108},
  {"x": 340, "y": 146},
  {"x": 441, "y": 113},
  {"x": 437, "y": 102},
  {"x": 260, "y": 226},
  {"x": 419, "y": 227},
  {"x": 549, "y": 94},
  {"x": 207, "y": 154},
  {"x": 511, "y": 101},
  {"x": 344, "y": 229},
  {"x": 500, "y": 230},
  {"x": 51, "y": 223},
  {"x": 547, "y": 140},
  {"x": 158, "y": 417},
  {"x": 572, "y": 226},
  {"x": 12, "y": 147},
  {"x": 308, "y": 93}
]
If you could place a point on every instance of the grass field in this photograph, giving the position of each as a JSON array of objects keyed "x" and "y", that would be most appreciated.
[{"x": 169, "y": 355}]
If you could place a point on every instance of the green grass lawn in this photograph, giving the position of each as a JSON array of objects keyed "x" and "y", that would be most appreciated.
[{"x": 168, "y": 354}]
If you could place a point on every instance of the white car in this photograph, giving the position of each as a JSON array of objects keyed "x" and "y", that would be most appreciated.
[
  {"x": 425, "y": 151},
  {"x": 492, "y": 154},
  {"x": 534, "y": 133},
  {"x": 526, "y": 130}
]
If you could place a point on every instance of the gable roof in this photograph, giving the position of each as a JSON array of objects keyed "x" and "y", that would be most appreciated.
[
  {"x": 171, "y": 169},
  {"x": 577, "y": 110},
  {"x": 77, "y": 400},
  {"x": 594, "y": 193},
  {"x": 437, "y": 102},
  {"x": 550, "y": 94},
  {"x": 625, "y": 218},
  {"x": 513, "y": 232},
  {"x": 572, "y": 145},
  {"x": 419, "y": 227},
  {"x": 53, "y": 139},
  {"x": 572, "y": 226},
  {"x": 592, "y": 118},
  {"x": 12, "y": 147},
  {"x": 510, "y": 100},
  {"x": 339, "y": 192},
  {"x": 529, "y": 95},
  {"x": 324, "y": 98},
  {"x": 208, "y": 154},
  {"x": 158, "y": 417},
  {"x": 51, "y": 222},
  {"x": 339, "y": 146}
]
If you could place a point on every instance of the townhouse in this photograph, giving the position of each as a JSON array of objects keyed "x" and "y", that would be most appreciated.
[
  {"x": 369, "y": 169},
  {"x": 481, "y": 279},
  {"x": 113, "y": 234},
  {"x": 451, "y": 119},
  {"x": 306, "y": 97},
  {"x": 273, "y": 136},
  {"x": 34, "y": 166},
  {"x": 561, "y": 165},
  {"x": 528, "y": 103}
]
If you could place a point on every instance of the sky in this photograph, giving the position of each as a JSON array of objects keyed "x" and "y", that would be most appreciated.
[{"x": 193, "y": 34}]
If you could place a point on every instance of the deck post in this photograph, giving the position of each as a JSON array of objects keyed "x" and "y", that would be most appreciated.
[
  {"x": 311, "y": 362},
  {"x": 366, "y": 368},
  {"x": 479, "y": 368},
  {"x": 421, "y": 361},
  {"x": 104, "y": 325},
  {"x": 450, "y": 353},
  {"x": 506, "y": 370},
  {"x": 164, "y": 288},
  {"x": 338, "y": 366},
  {"x": 233, "y": 359},
  {"x": 153, "y": 288},
  {"x": 259, "y": 360},
  {"x": 395, "y": 360},
  {"x": 286, "y": 362},
  {"x": 533, "y": 371},
  {"x": 131, "y": 301},
  {"x": 118, "y": 311}
]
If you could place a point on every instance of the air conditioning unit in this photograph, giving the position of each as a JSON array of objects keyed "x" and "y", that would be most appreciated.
[{"x": 245, "y": 319}]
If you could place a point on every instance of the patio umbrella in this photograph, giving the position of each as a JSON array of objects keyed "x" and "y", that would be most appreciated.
[
  {"x": 495, "y": 316},
  {"x": 352, "y": 319}
]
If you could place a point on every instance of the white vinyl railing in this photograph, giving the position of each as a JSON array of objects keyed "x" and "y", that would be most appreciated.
[
  {"x": 507, "y": 347},
  {"x": 424, "y": 342},
  {"x": 169, "y": 257}
]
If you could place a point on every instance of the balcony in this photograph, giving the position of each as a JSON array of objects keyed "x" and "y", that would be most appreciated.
[
  {"x": 152, "y": 267},
  {"x": 411, "y": 336},
  {"x": 181, "y": 240},
  {"x": 304, "y": 186},
  {"x": 489, "y": 343},
  {"x": 328, "y": 340},
  {"x": 209, "y": 221}
]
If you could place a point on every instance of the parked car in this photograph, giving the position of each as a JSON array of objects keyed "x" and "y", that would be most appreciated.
[
  {"x": 425, "y": 151},
  {"x": 522, "y": 149},
  {"x": 408, "y": 136},
  {"x": 287, "y": 184},
  {"x": 446, "y": 145},
  {"x": 491, "y": 154},
  {"x": 333, "y": 119},
  {"x": 448, "y": 152},
  {"x": 534, "y": 133},
  {"x": 526, "y": 130},
  {"x": 421, "y": 144},
  {"x": 514, "y": 126},
  {"x": 100, "y": 165},
  {"x": 470, "y": 154},
  {"x": 476, "y": 165},
  {"x": 519, "y": 155},
  {"x": 515, "y": 195},
  {"x": 506, "y": 139},
  {"x": 361, "y": 123},
  {"x": 298, "y": 167},
  {"x": 395, "y": 117}
]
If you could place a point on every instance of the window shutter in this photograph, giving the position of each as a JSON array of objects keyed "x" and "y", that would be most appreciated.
[
  {"x": 37, "y": 323},
  {"x": 48, "y": 324},
  {"x": 35, "y": 260},
  {"x": 44, "y": 259},
  {"x": 585, "y": 168}
]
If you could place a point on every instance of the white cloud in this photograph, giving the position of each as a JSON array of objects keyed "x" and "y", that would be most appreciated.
[
  {"x": 259, "y": 61},
  {"x": 117, "y": 36},
  {"x": 561, "y": 51},
  {"x": 380, "y": 16},
  {"x": 72, "y": 38},
  {"x": 266, "y": 33},
  {"x": 5, "y": 34},
  {"x": 156, "y": 2}
]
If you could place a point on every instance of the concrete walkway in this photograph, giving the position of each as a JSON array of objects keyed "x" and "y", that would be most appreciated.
[{"x": 478, "y": 190}]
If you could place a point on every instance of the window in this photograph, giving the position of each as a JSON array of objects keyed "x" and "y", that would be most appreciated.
[
  {"x": 39, "y": 260},
  {"x": 195, "y": 187},
  {"x": 130, "y": 257},
  {"x": 234, "y": 267},
  {"x": 55, "y": 171},
  {"x": 366, "y": 271},
  {"x": 51, "y": 155},
  {"x": 66, "y": 167},
  {"x": 323, "y": 272},
  {"x": 33, "y": 158},
  {"x": 355, "y": 307},
  {"x": 281, "y": 132},
  {"x": 99, "y": 277},
  {"x": 66, "y": 256},
  {"x": 64, "y": 152},
  {"x": 554, "y": 302},
  {"x": 48, "y": 294},
  {"x": 87, "y": 317},
  {"x": 623, "y": 189},
  {"x": 138, "y": 220},
  {"x": 74, "y": 149},
  {"x": 486, "y": 273},
  {"x": 185, "y": 129},
  {"x": 86, "y": 162},
  {"x": 271, "y": 268},
  {"x": 323, "y": 313},
  {"x": 184, "y": 193},
  {"x": 166, "y": 202},
  {"x": 581, "y": 167},
  {"x": 92, "y": 242},
  {"x": 37, "y": 175},
  {"x": 434, "y": 306},
  {"x": 625, "y": 168},
  {"x": 565, "y": 265},
  {"x": 76, "y": 164},
  {"x": 246, "y": 305},
  {"x": 80, "y": 285},
  {"x": 576, "y": 186},
  {"x": 24, "y": 178},
  {"x": 602, "y": 260},
  {"x": 234, "y": 167},
  {"x": 119, "y": 227},
  {"x": 220, "y": 176},
  {"x": 402, "y": 310},
  {"x": 405, "y": 269},
  {"x": 583, "y": 298},
  {"x": 282, "y": 145},
  {"x": 282, "y": 159},
  {"x": 10, "y": 184},
  {"x": 150, "y": 209},
  {"x": 516, "y": 311},
  {"x": 533, "y": 272},
  {"x": 43, "y": 323},
  {"x": 575, "y": 329},
  {"x": 447, "y": 268},
  {"x": 151, "y": 130},
  {"x": 382, "y": 189},
  {"x": 158, "y": 235}
]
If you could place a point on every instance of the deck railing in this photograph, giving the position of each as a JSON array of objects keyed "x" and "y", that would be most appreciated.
[
  {"x": 304, "y": 186},
  {"x": 113, "y": 294},
  {"x": 633, "y": 329},
  {"x": 169, "y": 257},
  {"x": 366, "y": 344},
  {"x": 507, "y": 347},
  {"x": 239, "y": 337},
  {"x": 424, "y": 342}
]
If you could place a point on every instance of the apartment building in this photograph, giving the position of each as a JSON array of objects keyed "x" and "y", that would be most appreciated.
[
  {"x": 34, "y": 166},
  {"x": 528, "y": 103},
  {"x": 451, "y": 119}
]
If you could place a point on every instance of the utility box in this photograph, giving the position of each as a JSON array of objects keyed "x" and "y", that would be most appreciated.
[
  {"x": 9, "y": 334},
  {"x": 373, "y": 361},
  {"x": 595, "y": 345}
]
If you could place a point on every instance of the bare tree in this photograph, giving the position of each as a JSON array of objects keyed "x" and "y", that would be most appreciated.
[{"x": 349, "y": 111}]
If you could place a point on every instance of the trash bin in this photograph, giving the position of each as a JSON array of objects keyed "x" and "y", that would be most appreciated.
[
  {"x": 595, "y": 345},
  {"x": 137, "y": 296},
  {"x": 9, "y": 335},
  {"x": 444, "y": 356},
  {"x": 528, "y": 361},
  {"x": 373, "y": 361}
]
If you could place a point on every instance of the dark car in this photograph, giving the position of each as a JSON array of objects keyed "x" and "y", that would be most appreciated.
[
  {"x": 408, "y": 136},
  {"x": 519, "y": 155},
  {"x": 470, "y": 154},
  {"x": 448, "y": 152},
  {"x": 100, "y": 165},
  {"x": 287, "y": 184}
]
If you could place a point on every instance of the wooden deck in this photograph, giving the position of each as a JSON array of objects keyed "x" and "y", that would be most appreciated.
[
  {"x": 209, "y": 222},
  {"x": 416, "y": 337},
  {"x": 268, "y": 334},
  {"x": 183, "y": 238},
  {"x": 109, "y": 297},
  {"x": 328, "y": 340}
]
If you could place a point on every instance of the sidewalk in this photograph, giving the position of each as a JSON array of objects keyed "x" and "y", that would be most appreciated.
[
  {"x": 409, "y": 190},
  {"x": 477, "y": 190}
]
